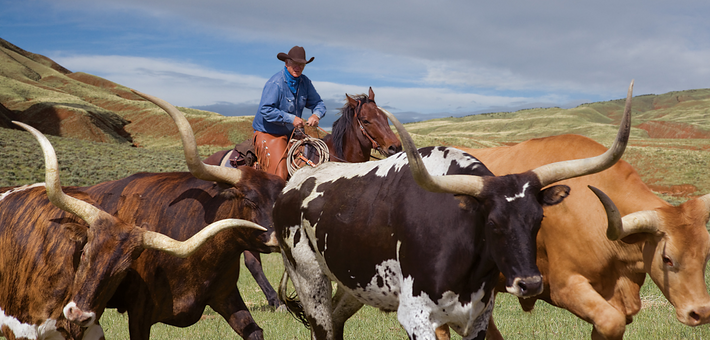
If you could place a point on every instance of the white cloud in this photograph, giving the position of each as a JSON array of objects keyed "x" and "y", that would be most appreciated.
[
  {"x": 183, "y": 84},
  {"x": 187, "y": 84},
  {"x": 454, "y": 55}
]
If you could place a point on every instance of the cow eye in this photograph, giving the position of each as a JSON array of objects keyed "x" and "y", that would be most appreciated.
[{"x": 667, "y": 261}]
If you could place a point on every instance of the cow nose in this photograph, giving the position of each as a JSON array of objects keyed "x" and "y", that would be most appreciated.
[
  {"x": 697, "y": 316},
  {"x": 526, "y": 286},
  {"x": 78, "y": 316}
]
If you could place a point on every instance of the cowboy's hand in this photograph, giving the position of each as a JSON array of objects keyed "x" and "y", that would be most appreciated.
[
  {"x": 313, "y": 120},
  {"x": 298, "y": 122}
]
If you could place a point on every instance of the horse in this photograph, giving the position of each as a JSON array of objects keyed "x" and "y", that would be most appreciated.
[{"x": 360, "y": 128}]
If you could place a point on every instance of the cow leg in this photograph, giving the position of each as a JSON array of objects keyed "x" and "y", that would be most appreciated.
[
  {"x": 580, "y": 298},
  {"x": 253, "y": 263},
  {"x": 314, "y": 290},
  {"x": 312, "y": 285},
  {"x": 138, "y": 327},
  {"x": 345, "y": 306},
  {"x": 234, "y": 310},
  {"x": 492, "y": 333},
  {"x": 415, "y": 321}
]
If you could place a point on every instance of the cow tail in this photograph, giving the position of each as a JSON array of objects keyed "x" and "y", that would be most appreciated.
[{"x": 293, "y": 304}]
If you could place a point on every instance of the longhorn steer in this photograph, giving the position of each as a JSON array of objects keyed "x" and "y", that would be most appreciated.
[
  {"x": 161, "y": 288},
  {"x": 429, "y": 247},
  {"x": 597, "y": 276},
  {"x": 56, "y": 268}
]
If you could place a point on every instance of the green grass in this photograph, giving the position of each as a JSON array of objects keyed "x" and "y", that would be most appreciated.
[
  {"x": 81, "y": 163},
  {"x": 655, "y": 321}
]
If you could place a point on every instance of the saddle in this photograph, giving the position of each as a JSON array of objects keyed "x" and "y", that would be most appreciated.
[{"x": 242, "y": 154}]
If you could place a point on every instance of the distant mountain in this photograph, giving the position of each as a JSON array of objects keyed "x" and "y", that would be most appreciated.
[
  {"x": 36, "y": 90},
  {"x": 674, "y": 115}
]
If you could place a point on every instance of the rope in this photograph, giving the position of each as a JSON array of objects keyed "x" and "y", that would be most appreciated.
[{"x": 296, "y": 158}]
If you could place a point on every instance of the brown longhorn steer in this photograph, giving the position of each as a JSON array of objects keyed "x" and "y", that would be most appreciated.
[
  {"x": 162, "y": 288},
  {"x": 595, "y": 275},
  {"x": 57, "y": 271}
]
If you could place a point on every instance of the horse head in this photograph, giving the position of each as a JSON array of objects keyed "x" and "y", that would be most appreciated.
[{"x": 363, "y": 122}]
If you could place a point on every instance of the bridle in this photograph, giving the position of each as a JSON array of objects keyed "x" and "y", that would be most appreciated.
[{"x": 375, "y": 145}]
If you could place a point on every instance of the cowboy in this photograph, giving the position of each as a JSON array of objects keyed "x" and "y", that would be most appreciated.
[{"x": 282, "y": 102}]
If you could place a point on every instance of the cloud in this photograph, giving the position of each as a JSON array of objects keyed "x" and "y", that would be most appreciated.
[
  {"x": 452, "y": 57},
  {"x": 183, "y": 84},
  {"x": 192, "y": 85}
]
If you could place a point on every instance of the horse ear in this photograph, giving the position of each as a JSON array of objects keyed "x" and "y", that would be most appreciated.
[
  {"x": 351, "y": 102},
  {"x": 372, "y": 94}
]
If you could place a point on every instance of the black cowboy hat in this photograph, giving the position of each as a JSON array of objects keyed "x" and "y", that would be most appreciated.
[{"x": 297, "y": 54}]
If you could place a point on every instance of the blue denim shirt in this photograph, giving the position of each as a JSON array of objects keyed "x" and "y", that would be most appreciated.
[{"x": 278, "y": 107}]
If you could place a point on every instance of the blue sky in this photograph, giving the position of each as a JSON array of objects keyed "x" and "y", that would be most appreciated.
[{"x": 423, "y": 59}]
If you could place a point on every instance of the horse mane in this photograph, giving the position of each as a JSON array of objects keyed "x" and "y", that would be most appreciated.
[{"x": 341, "y": 125}]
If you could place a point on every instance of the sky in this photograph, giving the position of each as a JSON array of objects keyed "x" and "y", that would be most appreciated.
[{"x": 423, "y": 59}]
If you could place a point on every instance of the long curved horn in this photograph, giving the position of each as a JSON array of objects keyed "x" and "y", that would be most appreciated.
[
  {"x": 559, "y": 171},
  {"x": 85, "y": 211},
  {"x": 194, "y": 163},
  {"x": 458, "y": 184},
  {"x": 158, "y": 241},
  {"x": 613, "y": 216}
]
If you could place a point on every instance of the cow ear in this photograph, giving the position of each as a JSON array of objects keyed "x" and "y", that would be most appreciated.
[
  {"x": 553, "y": 195},
  {"x": 76, "y": 232}
]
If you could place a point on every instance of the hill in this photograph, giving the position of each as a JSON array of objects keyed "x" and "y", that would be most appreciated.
[
  {"x": 674, "y": 115},
  {"x": 108, "y": 132},
  {"x": 38, "y": 91}
]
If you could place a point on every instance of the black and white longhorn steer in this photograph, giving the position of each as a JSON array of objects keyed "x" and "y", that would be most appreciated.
[{"x": 425, "y": 234}]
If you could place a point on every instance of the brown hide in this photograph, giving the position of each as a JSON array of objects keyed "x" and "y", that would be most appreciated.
[
  {"x": 593, "y": 277},
  {"x": 174, "y": 291},
  {"x": 41, "y": 249}
]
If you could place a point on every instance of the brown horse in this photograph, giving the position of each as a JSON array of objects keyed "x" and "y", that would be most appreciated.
[{"x": 360, "y": 129}]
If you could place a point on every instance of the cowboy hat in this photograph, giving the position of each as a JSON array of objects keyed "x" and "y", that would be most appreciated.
[{"x": 297, "y": 54}]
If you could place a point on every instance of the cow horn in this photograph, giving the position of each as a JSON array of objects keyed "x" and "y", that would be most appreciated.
[
  {"x": 645, "y": 221},
  {"x": 197, "y": 168},
  {"x": 706, "y": 200},
  {"x": 458, "y": 184},
  {"x": 559, "y": 171},
  {"x": 613, "y": 216},
  {"x": 157, "y": 241},
  {"x": 84, "y": 210}
]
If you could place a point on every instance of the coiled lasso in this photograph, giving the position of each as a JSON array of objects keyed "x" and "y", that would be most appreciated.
[{"x": 298, "y": 156}]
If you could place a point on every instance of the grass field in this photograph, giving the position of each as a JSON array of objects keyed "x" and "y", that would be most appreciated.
[{"x": 655, "y": 321}]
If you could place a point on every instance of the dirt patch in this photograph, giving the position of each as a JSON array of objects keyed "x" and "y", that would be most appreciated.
[
  {"x": 660, "y": 129},
  {"x": 682, "y": 190}
]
